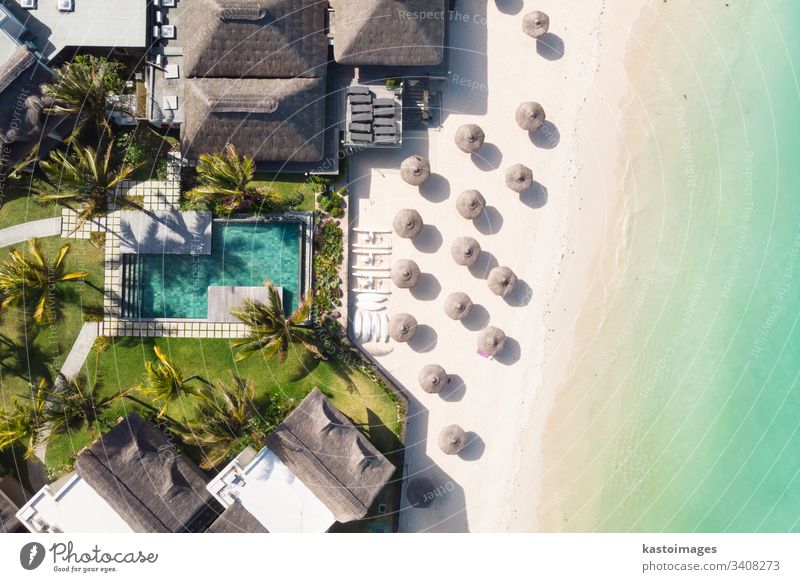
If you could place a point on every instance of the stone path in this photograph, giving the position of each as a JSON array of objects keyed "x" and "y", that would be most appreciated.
[
  {"x": 36, "y": 228},
  {"x": 80, "y": 349}
]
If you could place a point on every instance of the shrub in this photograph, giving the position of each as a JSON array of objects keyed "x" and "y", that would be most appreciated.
[
  {"x": 328, "y": 256},
  {"x": 332, "y": 202}
]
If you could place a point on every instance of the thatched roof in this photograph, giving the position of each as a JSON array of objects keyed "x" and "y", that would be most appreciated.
[
  {"x": 20, "y": 97},
  {"x": 465, "y": 251},
  {"x": 402, "y": 327},
  {"x": 469, "y": 138},
  {"x": 519, "y": 178},
  {"x": 407, "y": 223},
  {"x": 457, "y": 305},
  {"x": 405, "y": 274},
  {"x": 385, "y": 32},
  {"x": 254, "y": 38},
  {"x": 452, "y": 439},
  {"x": 331, "y": 457},
  {"x": 470, "y": 204},
  {"x": 501, "y": 281},
  {"x": 415, "y": 170},
  {"x": 535, "y": 23},
  {"x": 432, "y": 378},
  {"x": 236, "y": 519},
  {"x": 272, "y": 120},
  {"x": 491, "y": 340},
  {"x": 530, "y": 115},
  {"x": 420, "y": 492},
  {"x": 150, "y": 485}
]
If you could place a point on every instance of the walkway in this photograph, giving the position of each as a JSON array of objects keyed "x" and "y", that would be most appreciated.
[
  {"x": 36, "y": 228},
  {"x": 80, "y": 349}
]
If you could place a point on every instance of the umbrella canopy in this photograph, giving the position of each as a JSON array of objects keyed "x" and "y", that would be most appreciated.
[
  {"x": 415, "y": 170},
  {"x": 469, "y": 138},
  {"x": 530, "y": 116},
  {"x": 519, "y": 178},
  {"x": 457, "y": 305},
  {"x": 408, "y": 223},
  {"x": 405, "y": 273},
  {"x": 402, "y": 327},
  {"x": 420, "y": 492},
  {"x": 465, "y": 251},
  {"x": 470, "y": 204},
  {"x": 491, "y": 340},
  {"x": 432, "y": 378},
  {"x": 535, "y": 23},
  {"x": 452, "y": 439},
  {"x": 501, "y": 281}
]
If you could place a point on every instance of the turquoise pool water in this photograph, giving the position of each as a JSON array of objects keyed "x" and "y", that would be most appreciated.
[{"x": 241, "y": 254}]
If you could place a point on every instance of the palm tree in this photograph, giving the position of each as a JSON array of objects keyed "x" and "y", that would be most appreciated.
[
  {"x": 73, "y": 404},
  {"x": 80, "y": 177},
  {"x": 27, "y": 280},
  {"x": 271, "y": 332},
  {"x": 165, "y": 382},
  {"x": 21, "y": 423},
  {"x": 225, "y": 181},
  {"x": 83, "y": 88}
]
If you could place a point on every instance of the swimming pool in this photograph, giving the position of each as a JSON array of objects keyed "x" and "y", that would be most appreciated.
[{"x": 242, "y": 254}]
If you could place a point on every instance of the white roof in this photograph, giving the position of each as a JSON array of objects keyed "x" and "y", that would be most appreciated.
[
  {"x": 75, "y": 508},
  {"x": 92, "y": 23},
  {"x": 272, "y": 494}
]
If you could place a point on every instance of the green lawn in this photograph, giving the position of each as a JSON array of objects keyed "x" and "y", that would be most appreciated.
[
  {"x": 18, "y": 206},
  {"x": 36, "y": 351},
  {"x": 287, "y": 186}
]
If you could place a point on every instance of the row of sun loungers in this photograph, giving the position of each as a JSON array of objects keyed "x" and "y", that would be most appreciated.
[{"x": 372, "y": 120}]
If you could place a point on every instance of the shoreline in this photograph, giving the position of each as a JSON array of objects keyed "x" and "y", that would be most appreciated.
[{"x": 595, "y": 232}]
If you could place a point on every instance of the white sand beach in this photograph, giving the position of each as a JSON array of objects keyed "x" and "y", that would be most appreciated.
[{"x": 493, "y": 485}]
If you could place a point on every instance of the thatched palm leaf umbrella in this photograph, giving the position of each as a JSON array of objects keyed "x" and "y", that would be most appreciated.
[
  {"x": 470, "y": 204},
  {"x": 402, "y": 327},
  {"x": 420, "y": 492},
  {"x": 530, "y": 116},
  {"x": 469, "y": 138},
  {"x": 452, "y": 439},
  {"x": 408, "y": 223},
  {"x": 491, "y": 341},
  {"x": 405, "y": 273},
  {"x": 415, "y": 170},
  {"x": 501, "y": 281},
  {"x": 432, "y": 378},
  {"x": 465, "y": 251},
  {"x": 519, "y": 178},
  {"x": 535, "y": 23},
  {"x": 457, "y": 305}
]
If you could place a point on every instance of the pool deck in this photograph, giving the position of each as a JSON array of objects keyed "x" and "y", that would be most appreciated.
[{"x": 169, "y": 232}]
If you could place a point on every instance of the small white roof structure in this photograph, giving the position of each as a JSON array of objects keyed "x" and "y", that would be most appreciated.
[
  {"x": 170, "y": 102},
  {"x": 74, "y": 508},
  {"x": 271, "y": 493},
  {"x": 171, "y": 71}
]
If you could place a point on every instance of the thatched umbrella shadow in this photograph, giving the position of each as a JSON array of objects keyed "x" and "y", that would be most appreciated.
[
  {"x": 490, "y": 221},
  {"x": 436, "y": 188},
  {"x": 427, "y": 288},
  {"x": 520, "y": 296},
  {"x": 429, "y": 239},
  {"x": 546, "y": 136},
  {"x": 550, "y": 46},
  {"x": 474, "y": 448},
  {"x": 488, "y": 158},
  {"x": 455, "y": 389},
  {"x": 511, "y": 352},
  {"x": 477, "y": 319},
  {"x": 485, "y": 263},
  {"x": 509, "y": 6},
  {"x": 424, "y": 340},
  {"x": 535, "y": 196}
]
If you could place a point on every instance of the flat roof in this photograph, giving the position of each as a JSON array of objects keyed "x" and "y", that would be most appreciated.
[
  {"x": 272, "y": 494},
  {"x": 75, "y": 508},
  {"x": 93, "y": 23}
]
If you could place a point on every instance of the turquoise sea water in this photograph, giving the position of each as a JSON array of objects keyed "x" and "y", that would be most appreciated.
[
  {"x": 241, "y": 254},
  {"x": 693, "y": 388}
]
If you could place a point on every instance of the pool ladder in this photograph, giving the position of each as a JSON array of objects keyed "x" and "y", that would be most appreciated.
[{"x": 130, "y": 302}]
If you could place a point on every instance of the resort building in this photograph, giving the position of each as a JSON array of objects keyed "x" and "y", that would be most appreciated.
[
  {"x": 316, "y": 469},
  {"x": 12, "y": 495},
  {"x": 130, "y": 480}
]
